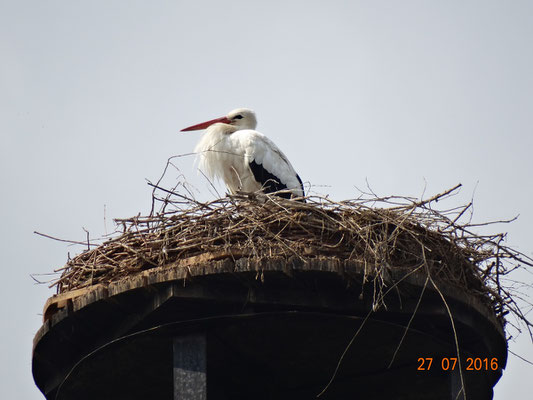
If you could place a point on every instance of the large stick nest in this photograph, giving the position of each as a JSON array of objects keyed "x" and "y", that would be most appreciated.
[{"x": 392, "y": 232}]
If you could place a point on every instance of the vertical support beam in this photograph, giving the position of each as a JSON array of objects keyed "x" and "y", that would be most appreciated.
[{"x": 190, "y": 367}]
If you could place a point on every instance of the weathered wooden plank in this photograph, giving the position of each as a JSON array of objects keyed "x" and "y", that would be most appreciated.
[
  {"x": 179, "y": 272},
  {"x": 59, "y": 301}
]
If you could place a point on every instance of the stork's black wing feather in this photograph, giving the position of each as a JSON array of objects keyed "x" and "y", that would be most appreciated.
[
  {"x": 301, "y": 185},
  {"x": 269, "y": 181}
]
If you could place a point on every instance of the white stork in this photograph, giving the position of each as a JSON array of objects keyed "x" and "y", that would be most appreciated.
[{"x": 246, "y": 160}]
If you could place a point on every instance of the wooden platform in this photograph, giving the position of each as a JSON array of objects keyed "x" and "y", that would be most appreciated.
[{"x": 273, "y": 328}]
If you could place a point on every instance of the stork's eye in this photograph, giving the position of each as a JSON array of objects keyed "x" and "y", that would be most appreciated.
[{"x": 238, "y": 117}]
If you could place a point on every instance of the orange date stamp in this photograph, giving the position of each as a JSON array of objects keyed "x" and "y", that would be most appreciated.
[{"x": 451, "y": 363}]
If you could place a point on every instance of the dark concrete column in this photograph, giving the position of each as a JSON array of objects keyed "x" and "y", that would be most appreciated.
[{"x": 190, "y": 367}]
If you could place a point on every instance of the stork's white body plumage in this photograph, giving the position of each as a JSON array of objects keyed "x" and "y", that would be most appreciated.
[{"x": 246, "y": 160}]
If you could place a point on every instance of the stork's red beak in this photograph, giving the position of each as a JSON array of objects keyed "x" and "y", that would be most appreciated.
[{"x": 206, "y": 124}]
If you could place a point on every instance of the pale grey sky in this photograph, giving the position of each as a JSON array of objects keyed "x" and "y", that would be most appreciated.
[{"x": 408, "y": 95}]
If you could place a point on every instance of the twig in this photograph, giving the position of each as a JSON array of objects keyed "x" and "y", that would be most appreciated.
[{"x": 64, "y": 240}]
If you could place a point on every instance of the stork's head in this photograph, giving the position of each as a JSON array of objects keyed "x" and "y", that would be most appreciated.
[
  {"x": 240, "y": 118},
  {"x": 243, "y": 118}
]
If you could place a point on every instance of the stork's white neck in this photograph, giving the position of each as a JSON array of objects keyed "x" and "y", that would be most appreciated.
[{"x": 221, "y": 129}]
